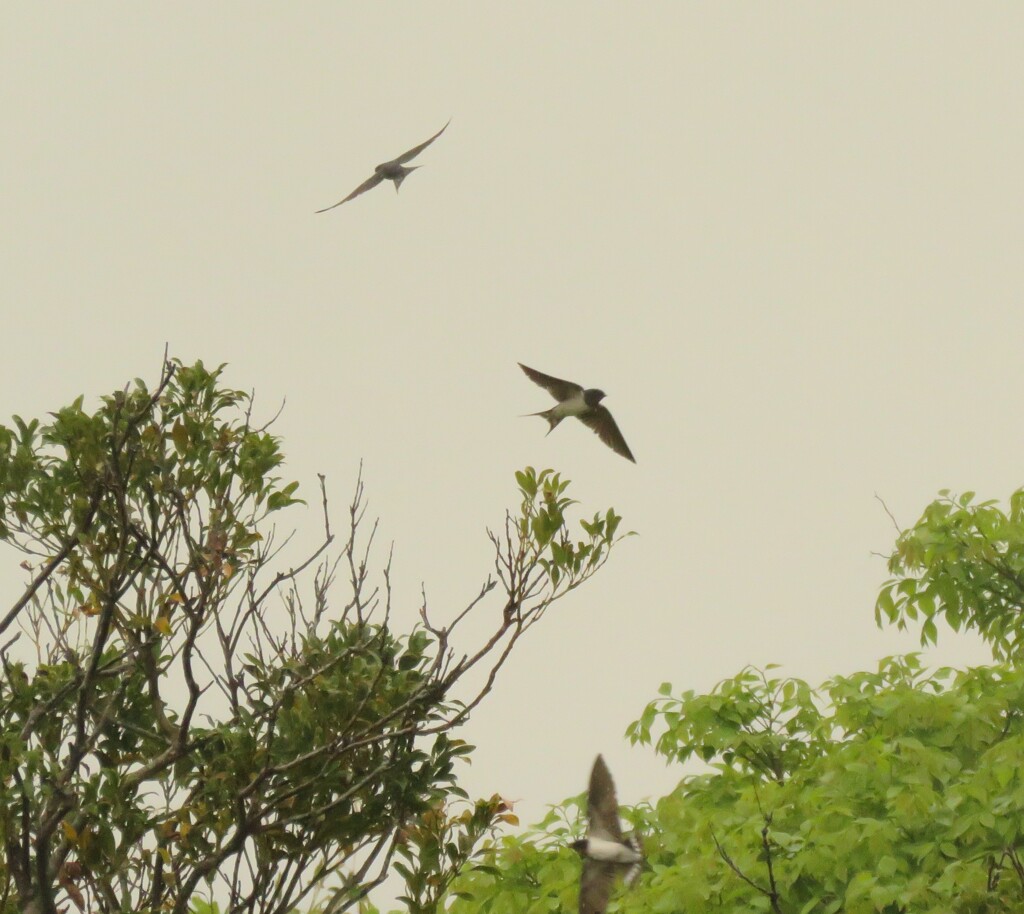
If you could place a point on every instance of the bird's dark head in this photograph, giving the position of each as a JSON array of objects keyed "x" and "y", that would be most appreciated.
[
  {"x": 593, "y": 396},
  {"x": 580, "y": 846}
]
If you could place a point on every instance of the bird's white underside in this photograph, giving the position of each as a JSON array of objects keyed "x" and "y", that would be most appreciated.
[
  {"x": 610, "y": 851},
  {"x": 570, "y": 407}
]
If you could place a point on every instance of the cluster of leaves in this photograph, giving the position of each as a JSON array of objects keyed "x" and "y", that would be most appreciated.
[
  {"x": 887, "y": 791},
  {"x": 535, "y": 871},
  {"x": 542, "y": 526},
  {"x": 437, "y": 846},
  {"x": 896, "y": 790},
  {"x": 432, "y": 850},
  {"x": 134, "y": 520},
  {"x": 880, "y": 792},
  {"x": 963, "y": 563},
  {"x": 195, "y": 723}
]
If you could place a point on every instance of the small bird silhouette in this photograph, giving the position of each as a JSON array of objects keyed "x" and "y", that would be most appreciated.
[
  {"x": 394, "y": 170},
  {"x": 606, "y": 855},
  {"x": 585, "y": 405}
]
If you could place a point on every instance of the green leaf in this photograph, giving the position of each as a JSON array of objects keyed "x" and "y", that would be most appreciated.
[{"x": 180, "y": 436}]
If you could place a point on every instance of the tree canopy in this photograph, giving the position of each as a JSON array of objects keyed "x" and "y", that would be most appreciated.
[
  {"x": 184, "y": 715},
  {"x": 893, "y": 790}
]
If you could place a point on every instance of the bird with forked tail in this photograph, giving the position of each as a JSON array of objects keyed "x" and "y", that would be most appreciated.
[
  {"x": 606, "y": 854},
  {"x": 584, "y": 404},
  {"x": 395, "y": 171}
]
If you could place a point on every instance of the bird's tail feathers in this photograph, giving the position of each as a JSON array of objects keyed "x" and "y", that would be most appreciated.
[
  {"x": 409, "y": 169},
  {"x": 552, "y": 420}
]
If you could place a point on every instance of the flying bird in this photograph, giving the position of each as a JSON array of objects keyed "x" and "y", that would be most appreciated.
[
  {"x": 606, "y": 856},
  {"x": 395, "y": 170},
  {"x": 585, "y": 405}
]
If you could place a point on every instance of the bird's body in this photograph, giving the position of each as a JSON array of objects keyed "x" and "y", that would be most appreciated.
[
  {"x": 607, "y": 856},
  {"x": 572, "y": 407},
  {"x": 610, "y": 851},
  {"x": 581, "y": 403},
  {"x": 394, "y": 170}
]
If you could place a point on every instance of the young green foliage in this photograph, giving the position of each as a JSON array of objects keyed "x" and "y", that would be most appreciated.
[
  {"x": 883, "y": 792},
  {"x": 543, "y": 537},
  {"x": 197, "y": 730},
  {"x": 963, "y": 563}
]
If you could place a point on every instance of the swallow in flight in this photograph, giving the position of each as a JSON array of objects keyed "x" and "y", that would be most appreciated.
[
  {"x": 395, "y": 170},
  {"x": 606, "y": 855},
  {"x": 585, "y": 405}
]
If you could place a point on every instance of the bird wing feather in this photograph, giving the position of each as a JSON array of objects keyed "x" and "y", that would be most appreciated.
[
  {"x": 559, "y": 389},
  {"x": 600, "y": 421},
  {"x": 596, "y": 883},
  {"x": 602, "y": 805},
  {"x": 362, "y": 188},
  {"x": 416, "y": 150}
]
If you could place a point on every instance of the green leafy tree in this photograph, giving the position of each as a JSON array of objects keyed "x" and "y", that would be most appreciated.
[
  {"x": 196, "y": 724},
  {"x": 896, "y": 790}
]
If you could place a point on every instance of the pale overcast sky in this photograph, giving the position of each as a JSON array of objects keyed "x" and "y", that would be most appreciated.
[{"x": 786, "y": 239}]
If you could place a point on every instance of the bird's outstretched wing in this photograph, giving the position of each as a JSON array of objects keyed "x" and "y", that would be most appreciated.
[
  {"x": 602, "y": 806},
  {"x": 600, "y": 421},
  {"x": 361, "y": 189},
  {"x": 416, "y": 150},
  {"x": 559, "y": 389},
  {"x": 596, "y": 883}
]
